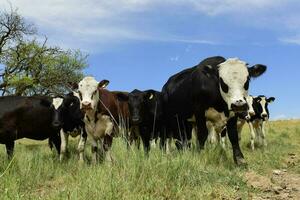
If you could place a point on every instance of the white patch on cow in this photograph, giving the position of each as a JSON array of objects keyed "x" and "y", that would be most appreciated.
[
  {"x": 192, "y": 119},
  {"x": 234, "y": 73},
  {"x": 88, "y": 88},
  {"x": 263, "y": 103},
  {"x": 250, "y": 105},
  {"x": 57, "y": 102},
  {"x": 103, "y": 126}
]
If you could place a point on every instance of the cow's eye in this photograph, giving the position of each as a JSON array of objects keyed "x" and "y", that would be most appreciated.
[
  {"x": 246, "y": 85},
  {"x": 224, "y": 86},
  {"x": 94, "y": 93}
]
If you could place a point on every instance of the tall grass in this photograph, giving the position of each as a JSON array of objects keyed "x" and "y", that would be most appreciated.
[{"x": 36, "y": 173}]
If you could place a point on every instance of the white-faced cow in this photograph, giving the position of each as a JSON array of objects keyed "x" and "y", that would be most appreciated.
[
  {"x": 28, "y": 117},
  {"x": 71, "y": 118},
  {"x": 103, "y": 111},
  {"x": 257, "y": 118},
  {"x": 214, "y": 83}
]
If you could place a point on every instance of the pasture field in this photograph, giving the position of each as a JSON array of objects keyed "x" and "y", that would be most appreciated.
[{"x": 273, "y": 172}]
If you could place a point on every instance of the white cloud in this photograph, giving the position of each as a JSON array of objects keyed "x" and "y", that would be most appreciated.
[
  {"x": 174, "y": 59},
  {"x": 291, "y": 40},
  {"x": 96, "y": 24}
]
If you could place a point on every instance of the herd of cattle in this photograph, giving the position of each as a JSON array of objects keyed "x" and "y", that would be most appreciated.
[{"x": 210, "y": 98}]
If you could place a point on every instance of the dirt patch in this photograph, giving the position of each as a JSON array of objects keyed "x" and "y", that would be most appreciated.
[{"x": 280, "y": 185}]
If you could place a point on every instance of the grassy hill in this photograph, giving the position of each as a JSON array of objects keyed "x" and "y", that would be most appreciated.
[{"x": 35, "y": 172}]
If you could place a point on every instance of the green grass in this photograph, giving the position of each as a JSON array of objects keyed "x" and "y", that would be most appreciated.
[{"x": 35, "y": 172}]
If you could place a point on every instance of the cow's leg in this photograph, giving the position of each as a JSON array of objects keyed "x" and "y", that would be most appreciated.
[
  {"x": 234, "y": 140},
  {"x": 163, "y": 138},
  {"x": 145, "y": 135},
  {"x": 81, "y": 145},
  {"x": 202, "y": 131},
  {"x": 94, "y": 149},
  {"x": 10, "y": 149},
  {"x": 223, "y": 138},
  {"x": 240, "y": 126},
  {"x": 107, "y": 143},
  {"x": 263, "y": 133},
  {"x": 211, "y": 133},
  {"x": 252, "y": 135},
  {"x": 56, "y": 141},
  {"x": 64, "y": 143}
]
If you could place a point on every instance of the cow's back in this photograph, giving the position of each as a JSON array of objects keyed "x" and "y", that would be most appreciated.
[{"x": 24, "y": 117}]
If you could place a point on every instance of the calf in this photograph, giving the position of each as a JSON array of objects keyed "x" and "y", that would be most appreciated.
[
  {"x": 103, "y": 112},
  {"x": 258, "y": 116},
  {"x": 146, "y": 116},
  {"x": 217, "y": 83},
  {"x": 28, "y": 117},
  {"x": 71, "y": 118}
]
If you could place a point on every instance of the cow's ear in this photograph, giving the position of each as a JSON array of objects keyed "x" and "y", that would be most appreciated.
[
  {"x": 102, "y": 84},
  {"x": 150, "y": 94},
  {"x": 72, "y": 85},
  {"x": 208, "y": 70},
  {"x": 271, "y": 99},
  {"x": 257, "y": 70},
  {"x": 122, "y": 96},
  {"x": 45, "y": 102}
]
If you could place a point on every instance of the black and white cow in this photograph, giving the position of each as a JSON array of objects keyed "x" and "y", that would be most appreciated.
[
  {"x": 258, "y": 116},
  {"x": 146, "y": 114},
  {"x": 28, "y": 117},
  {"x": 71, "y": 118},
  {"x": 216, "y": 83}
]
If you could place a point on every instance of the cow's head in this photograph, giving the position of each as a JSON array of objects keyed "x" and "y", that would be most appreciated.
[
  {"x": 57, "y": 119},
  {"x": 136, "y": 102},
  {"x": 234, "y": 78},
  {"x": 88, "y": 92},
  {"x": 261, "y": 106}
]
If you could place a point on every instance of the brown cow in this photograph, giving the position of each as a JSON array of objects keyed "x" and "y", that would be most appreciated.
[{"x": 104, "y": 112}]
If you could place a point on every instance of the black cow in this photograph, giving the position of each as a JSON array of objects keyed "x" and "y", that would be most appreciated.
[
  {"x": 146, "y": 114},
  {"x": 215, "y": 83},
  {"x": 71, "y": 118},
  {"x": 28, "y": 117}
]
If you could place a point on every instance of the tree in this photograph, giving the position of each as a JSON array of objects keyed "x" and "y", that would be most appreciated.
[
  {"x": 30, "y": 67},
  {"x": 13, "y": 27}
]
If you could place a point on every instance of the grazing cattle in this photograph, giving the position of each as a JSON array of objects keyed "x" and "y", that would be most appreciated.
[
  {"x": 215, "y": 83},
  {"x": 71, "y": 118},
  {"x": 28, "y": 117},
  {"x": 258, "y": 116},
  {"x": 103, "y": 112},
  {"x": 146, "y": 115}
]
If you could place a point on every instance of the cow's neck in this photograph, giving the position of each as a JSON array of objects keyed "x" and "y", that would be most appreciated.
[{"x": 91, "y": 115}]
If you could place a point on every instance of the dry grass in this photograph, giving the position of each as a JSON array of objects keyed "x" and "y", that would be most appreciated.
[{"x": 35, "y": 172}]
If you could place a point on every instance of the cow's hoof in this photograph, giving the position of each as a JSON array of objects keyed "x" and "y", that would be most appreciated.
[{"x": 241, "y": 162}]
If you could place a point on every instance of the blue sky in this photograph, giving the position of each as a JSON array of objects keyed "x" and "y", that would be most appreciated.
[{"x": 141, "y": 43}]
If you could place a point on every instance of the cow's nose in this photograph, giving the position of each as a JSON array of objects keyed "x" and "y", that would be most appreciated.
[
  {"x": 239, "y": 106},
  {"x": 248, "y": 117},
  {"x": 135, "y": 119},
  {"x": 86, "y": 105},
  {"x": 56, "y": 124},
  {"x": 251, "y": 113},
  {"x": 264, "y": 115}
]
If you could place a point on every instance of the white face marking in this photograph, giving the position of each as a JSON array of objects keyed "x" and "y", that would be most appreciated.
[
  {"x": 88, "y": 88},
  {"x": 263, "y": 103},
  {"x": 234, "y": 73},
  {"x": 57, "y": 102},
  {"x": 250, "y": 105}
]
